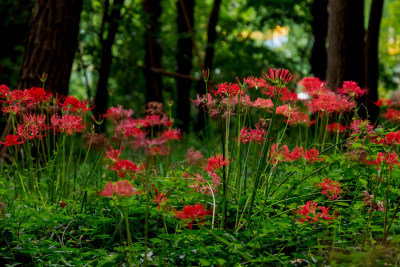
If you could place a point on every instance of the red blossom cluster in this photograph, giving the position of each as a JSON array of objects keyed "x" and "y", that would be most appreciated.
[
  {"x": 252, "y": 135},
  {"x": 122, "y": 188},
  {"x": 279, "y": 77},
  {"x": 309, "y": 213},
  {"x": 330, "y": 188},
  {"x": 225, "y": 89},
  {"x": 160, "y": 198},
  {"x": 389, "y": 159},
  {"x": 283, "y": 154},
  {"x": 122, "y": 167},
  {"x": 336, "y": 127},
  {"x": 190, "y": 214},
  {"x": 369, "y": 203}
]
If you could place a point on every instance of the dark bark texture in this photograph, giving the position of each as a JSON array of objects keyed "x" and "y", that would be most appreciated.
[
  {"x": 371, "y": 58},
  {"x": 184, "y": 61},
  {"x": 346, "y": 42},
  {"x": 153, "y": 54},
  {"x": 319, "y": 24},
  {"x": 110, "y": 25},
  {"x": 51, "y": 44}
]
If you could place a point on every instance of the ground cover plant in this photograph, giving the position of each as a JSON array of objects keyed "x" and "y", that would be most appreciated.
[{"x": 286, "y": 172}]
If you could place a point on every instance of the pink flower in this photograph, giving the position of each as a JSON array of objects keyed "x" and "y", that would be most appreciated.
[
  {"x": 68, "y": 124},
  {"x": 193, "y": 157},
  {"x": 121, "y": 188},
  {"x": 252, "y": 135},
  {"x": 172, "y": 134},
  {"x": 263, "y": 103},
  {"x": 118, "y": 113}
]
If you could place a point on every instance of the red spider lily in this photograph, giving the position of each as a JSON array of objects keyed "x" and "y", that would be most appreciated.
[
  {"x": 382, "y": 102},
  {"x": 392, "y": 138},
  {"x": 352, "y": 89},
  {"x": 252, "y": 135},
  {"x": 361, "y": 127},
  {"x": 313, "y": 86},
  {"x": 263, "y": 103},
  {"x": 389, "y": 159},
  {"x": 155, "y": 120},
  {"x": 118, "y": 113},
  {"x": 309, "y": 213},
  {"x": 336, "y": 127},
  {"x": 68, "y": 124},
  {"x": 298, "y": 117},
  {"x": 160, "y": 198},
  {"x": 330, "y": 188},
  {"x": 280, "y": 77},
  {"x": 284, "y": 93},
  {"x": 200, "y": 184},
  {"x": 36, "y": 119},
  {"x": 191, "y": 213},
  {"x": 392, "y": 115},
  {"x": 28, "y": 131},
  {"x": 216, "y": 162},
  {"x": 172, "y": 134},
  {"x": 72, "y": 104},
  {"x": 193, "y": 157},
  {"x": 4, "y": 91},
  {"x": 37, "y": 95},
  {"x": 283, "y": 110},
  {"x": 121, "y": 188},
  {"x": 255, "y": 82},
  {"x": 11, "y": 140},
  {"x": 311, "y": 155},
  {"x": 125, "y": 167},
  {"x": 294, "y": 155},
  {"x": 18, "y": 96},
  {"x": 14, "y": 108},
  {"x": 330, "y": 102},
  {"x": 230, "y": 90},
  {"x": 113, "y": 154}
]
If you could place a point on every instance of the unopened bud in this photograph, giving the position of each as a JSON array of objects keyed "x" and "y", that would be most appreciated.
[{"x": 206, "y": 74}]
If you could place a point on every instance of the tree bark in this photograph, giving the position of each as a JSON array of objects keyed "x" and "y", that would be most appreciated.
[
  {"x": 110, "y": 21},
  {"x": 371, "y": 58},
  {"x": 153, "y": 54},
  {"x": 184, "y": 61},
  {"x": 210, "y": 50},
  {"x": 346, "y": 42},
  {"x": 51, "y": 44},
  {"x": 319, "y": 24}
]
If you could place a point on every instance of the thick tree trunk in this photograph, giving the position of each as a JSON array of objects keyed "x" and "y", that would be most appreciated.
[
  {"x": 153, "y": 50},
  {"x": 184, "y": 60},
  {"x": 319, "y": 24},
  {"x": 208, "y": 61},
  {"x": 346, "y": 42},
  {"x": 51, "y": 44},
  {"x": 111, "y": 22},
  {"x": 371, "y": 58}
]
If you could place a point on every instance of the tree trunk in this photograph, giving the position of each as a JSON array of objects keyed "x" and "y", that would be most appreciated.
[
  {"x": 51, "y": 44},
  {"x": 208, "y": 61},
  {"x": 346, "y": 42},
  {"x": 153, "y": 50},
  {"x": 319, "y": 24},
  {"x": 184, "y": 61},
  {"x": 371, "y": 58},
  {"x": 111, "y": 22}
]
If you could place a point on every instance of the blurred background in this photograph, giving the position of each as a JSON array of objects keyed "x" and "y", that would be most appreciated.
[{"x": 129, "y": 52}]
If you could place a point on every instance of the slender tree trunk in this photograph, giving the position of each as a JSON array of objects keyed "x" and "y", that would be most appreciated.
[
  {"x": 184, "y": 60},
  {"x": 346, "y": 42},
  {"x": 208, "y": 61},
  {"x": 318, "y": 60},
  {"x": 153, "y": 50},
  {"x": 110, "y": 21},
  {"x": 51, "y": 44},
  {"x": 371, "y": 58}
]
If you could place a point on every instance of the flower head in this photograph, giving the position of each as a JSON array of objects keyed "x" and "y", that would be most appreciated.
[{"x": 190, "y": 213}]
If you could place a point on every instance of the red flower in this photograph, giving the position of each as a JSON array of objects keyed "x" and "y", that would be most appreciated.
[
  {"x": 392, "y": 115},
  {"x": 172, "y": 134},
  {"x": 352, "y": 89},
  {"x": 11, "y": 140},
  {"x": 311, "y": 155},
  {"x": 309, "y": 213},
  {"x": 68, "y": 124},
  {"x": 125, "y": 167},
  {"x": 263, "y": 103},
  {"x": 72, "y": 104},
  {"x": 193, "y": 157},
  {"x": 160, "y": 198},
  {"x": 330, "y": 188},
  {"x": 336, "y": 127},
  {"x": 382, "y": 102},
  {"x": 190, "y": 213},
  {"x": 4, "y": 91},
  {"x": 313, "y": 86},
  {"x": 118, "y": 113},
  {"x": 280, "y": 77},
  {"x": 230, "y": 90},
  {"x": 121, "y": 187},
  {"x": 252, "y": 135},
  {"x": 216, "y": 162},
  {"x": 37, "y": 95}
]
